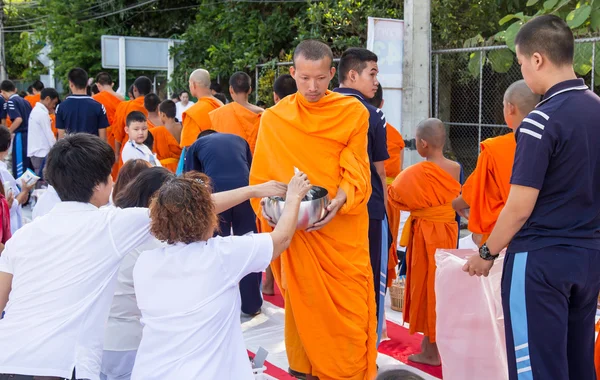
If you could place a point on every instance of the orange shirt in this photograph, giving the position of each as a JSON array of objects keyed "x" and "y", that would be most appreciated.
[{"x": 118, "y": 128}]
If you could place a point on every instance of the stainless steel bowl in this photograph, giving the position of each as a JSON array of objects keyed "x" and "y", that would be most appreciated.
[{"x": 312, "y": 208}]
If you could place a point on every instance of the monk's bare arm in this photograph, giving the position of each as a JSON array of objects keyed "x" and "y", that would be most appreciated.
[
  {"x": 460, "y": 205},
  {"x": 519, "y": 206},
  {"x": 380, "y": 167},
  {"x": 102, "y": 134},
  {"x": 61, "y": 134},
  {"x": 5, "y": 286},
  {"x": 401, "y": 159},
  {"x": 227, "y": 199}
]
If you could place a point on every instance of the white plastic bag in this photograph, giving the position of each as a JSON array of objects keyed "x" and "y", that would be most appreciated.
[{"x": 470, "y": 321}]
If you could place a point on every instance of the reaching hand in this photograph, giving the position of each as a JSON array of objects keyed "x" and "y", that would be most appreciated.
[
  {"x": 269, "y": 189},
  {"x": 332, "y": 209},
  {"x": 10, "y": 199},
  {"x": 266, "y": 217},
  {"x": 298, "y": 187},
  {"x": 477, "y": 266},
  {"x": 25, "y": 188}
]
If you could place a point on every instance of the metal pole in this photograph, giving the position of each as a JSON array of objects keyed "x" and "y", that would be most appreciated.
[
  {"x": 170, "y": 65},
  {"x": 256, "y": 84},
  {"x": 480, "y": 99},
  {"x": 593, "y": 63},
  {"x": 2, "y": 55},
  {"x": 437, "y": 86},
  {"x": 122, "y": 68}
]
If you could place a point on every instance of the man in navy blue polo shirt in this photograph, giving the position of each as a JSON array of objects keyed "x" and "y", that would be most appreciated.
[
  {"x": 226, "y": 159},
  {"x": 79, "y": 112},
  {"x": 551, "y": 221},
  {"x": 357, "y": 73},
  {"x": 18, "y": 109}
]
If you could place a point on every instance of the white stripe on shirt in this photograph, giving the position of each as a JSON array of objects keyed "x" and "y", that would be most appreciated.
[
  {"x": 530, "y": 133},
  {"x": 541, "y": 114},
  {"x": 534, "y": 123}
]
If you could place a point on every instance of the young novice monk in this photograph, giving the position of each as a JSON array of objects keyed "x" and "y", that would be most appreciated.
[
  {"x": 486, "y": 190},
  {"x": 197, "y": 334},
  {"x": 137, "y": 130},
  {"x": 426, "y": 190}
]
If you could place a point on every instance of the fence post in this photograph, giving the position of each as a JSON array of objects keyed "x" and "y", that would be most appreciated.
[
  {"x": 593, "y": 63},
  {"x": 437, "y": 86},
  {"x": 256, "y": 84},
  {"x": 480, "y": 99}
]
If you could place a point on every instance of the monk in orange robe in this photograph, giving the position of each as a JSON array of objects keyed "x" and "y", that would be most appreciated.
[
  {"x": 427, "y": 190},
  {"x": 141, "y": 87},
  {"x": 238, "y": 117},
  {"x": 195, "y": 118},
  {"x": 486, "y": 190},
  {"x": 325, "y": 275},
  {"x": 167, "y": 149}
]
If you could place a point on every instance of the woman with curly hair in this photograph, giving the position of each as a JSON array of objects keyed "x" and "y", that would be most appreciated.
[{"x": 188, "y": 291}]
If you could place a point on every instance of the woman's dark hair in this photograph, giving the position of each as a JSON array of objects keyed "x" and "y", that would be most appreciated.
[
  {"x": 128, "y": 172},
  {"x": 142, "y": 188},
  {"x": 78, "y": 163},
  {"x": 398, "y": 374},
  {"x": 183, "y": 211}
]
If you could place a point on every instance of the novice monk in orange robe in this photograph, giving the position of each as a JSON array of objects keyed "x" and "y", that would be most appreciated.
[
  {"x": 426, "y": 190},
  {"x": 325, "y": 275},
  {"x": 486, "y": 190},
  {"x": 195, "y": 118},
  {"x": 110, "y": 100},
  {"x": 238, "y": 117},
  {"x": 141, "y": 87},
  {"x": 167, "y": 149}
]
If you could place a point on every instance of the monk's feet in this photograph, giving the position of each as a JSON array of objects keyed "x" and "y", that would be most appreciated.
[
  {"x": 432, "y": 360},
  {"x": 268, "y": 289}
]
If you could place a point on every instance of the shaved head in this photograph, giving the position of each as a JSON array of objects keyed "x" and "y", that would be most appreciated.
[
  {"x": 201, "y": 77},
  {"x": 313, "y": 50},
  {"x": 521, "y": 96},
  {"x": 433, "y": 132}
]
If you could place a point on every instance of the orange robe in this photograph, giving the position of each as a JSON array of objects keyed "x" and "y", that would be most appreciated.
[
  {"x": 118, "y": 128},
  {"x": 110, "y": 103},
  {"x": 486, "y": 190},
  {"x": 395, "y": 144},
  {"x": 196, "y": 119},
  {"x": 597, "y": 355},
  {"x": 167, "y": 149},
  {"x": 427, "y": 192},
  {"x": 325, "y": 275},
  {"x": 236, "y": 119}
]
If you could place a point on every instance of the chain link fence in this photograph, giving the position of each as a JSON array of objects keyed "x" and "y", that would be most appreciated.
[{"x": 468, "y": 88}]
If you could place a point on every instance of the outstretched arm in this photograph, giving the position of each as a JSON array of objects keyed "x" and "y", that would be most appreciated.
[{"x": 228, "y": 199}]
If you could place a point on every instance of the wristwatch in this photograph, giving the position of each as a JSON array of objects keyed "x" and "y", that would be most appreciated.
[{"x": 484, "y": 253}]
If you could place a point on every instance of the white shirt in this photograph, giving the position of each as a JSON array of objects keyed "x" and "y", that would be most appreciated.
[
  {"x": 133, "y": 151},
  {"x": 180, "y": 109},
  {"x": 64, "y": 266},
  {"x": 190, "y": 304},
  {"x": 39, "y": 137},
  {"x": 124, "y": 329},
  {"x": 16, "y": 213},
  {"x": 45, "y": 203}
]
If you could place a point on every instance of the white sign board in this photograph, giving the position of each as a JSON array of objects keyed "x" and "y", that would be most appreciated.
[{"x": 140, "y": 53}]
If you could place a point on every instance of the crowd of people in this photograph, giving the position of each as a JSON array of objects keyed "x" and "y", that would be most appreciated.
[{"x": 151, "y": 238}]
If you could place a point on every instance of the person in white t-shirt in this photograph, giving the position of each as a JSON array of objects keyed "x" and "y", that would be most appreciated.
[
  {"x": 40, "y": 137},
  {"x": 183, "y": 104},
  {"x": 57, "y": 273},
  {"x": 137, "y": 130},
  {"x": 188, "y": 290}
]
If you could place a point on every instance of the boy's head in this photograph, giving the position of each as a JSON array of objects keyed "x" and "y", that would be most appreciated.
[
  {"x": 313, "y": 69},
  {"x": 79, "y": 168},
  {"x": 49, "y": 98},
  {"x": 206, "y": 132},
  {"x": 283, "y": 86},
  {"x": 8, "y": 88},
  {"x": 544, "y": 46},
  {"x": 78, "y": 79},
  {"x": 518, "y": 102},
  {"x": 5, "y": 141},
  {"x": 358, "y": 70},
  {"x": 104, "y": 79},
  {"x": 142, "y": 86},
  {"x": 430, "y": 137},
  {"x": 151, "y": 102},
  {"x": 240, "y": 83},
  {"x": 377, "y": 100},
  {"x": 221, "y": 97},
  {"x": 167, "y": 110},
  {"x": 136, "y": 127},
  {"x": 37, "y": 87}
]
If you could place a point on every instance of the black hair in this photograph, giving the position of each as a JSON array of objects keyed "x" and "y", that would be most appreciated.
[
  {"x": 143, "y": 85},
  {"x": 548, "y": 35},
  {"x": 104, "y": 79},
  {"x": 5, "y": 138},
  {"x": 354, "y": 59},
  {"x": 207, "y": 132},
  {"x": 175, "y": 95},
  {"x": 139, "y": 192},
  {"x": 398, "y": 374},
  {"x": 221, "y": 97},
  {"x": 130, "y": 91},
  {"x": 313, "y": 50},
  {"x": 30, "y": 90},
  {"x": 378, "y": 98},
  {"x": 260, "y": 103},
  {"x": 149, "y": 142},
  {"x": 216, "y": 87},
  {"x": 8, "y": 86},
  {"x": 169, "y": 108},
  {"x": 38, "y": 85},
  {"x": 135, "y": 116},
  {"x": 78, "y": 163},
  {"x": 49, "y": 92},
  {"x": 183, "y": 92},
  {"x": 79, "y": 78},
  {"x": 94, "y": 89},
  {"x": 240, "y": 82},
  {"x": 151, "y": 102},
  {"x": 284, "y": 85}
]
